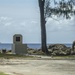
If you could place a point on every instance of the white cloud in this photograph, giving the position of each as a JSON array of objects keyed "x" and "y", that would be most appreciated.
[
  {"x": 5, "y": 18},
  {"x": 74, "y": 7},
  {"x": 25, "y": 19},
  {"x": 23, "y": 23},
  {"x": 8, "y": 24},
  {"x": 60, "y": 24},
  {"x": 60, "y": 30},
  {"x": 33, "y": 22},
  {"x": 5, "y": 21}
]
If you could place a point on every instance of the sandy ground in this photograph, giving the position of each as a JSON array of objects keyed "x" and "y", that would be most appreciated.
[{"x": 37, "y": 67}]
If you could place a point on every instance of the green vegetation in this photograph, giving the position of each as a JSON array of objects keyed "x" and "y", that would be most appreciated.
[
  {"x": 64, "y": 57},
  {"x": 1, "y": 73},
  {"x": 12, "y": 56},
  {"x": 36, "y": 55}
]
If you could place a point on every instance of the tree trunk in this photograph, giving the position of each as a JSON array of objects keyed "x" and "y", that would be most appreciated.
[{"x": 43, "y": 28}]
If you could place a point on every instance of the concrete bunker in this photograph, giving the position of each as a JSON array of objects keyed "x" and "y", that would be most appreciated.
[{"x": 18, "y": 47}]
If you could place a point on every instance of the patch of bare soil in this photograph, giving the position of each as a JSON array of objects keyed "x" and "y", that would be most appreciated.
[{"x": 37, "y": 67}]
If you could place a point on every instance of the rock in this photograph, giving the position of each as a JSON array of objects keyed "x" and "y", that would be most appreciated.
[
  {"x": 57, "y": 46},
  {"x": 59, "y": 49}
]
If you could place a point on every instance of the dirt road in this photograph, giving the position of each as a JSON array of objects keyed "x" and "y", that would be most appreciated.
[{"x": 38, "y": 67}]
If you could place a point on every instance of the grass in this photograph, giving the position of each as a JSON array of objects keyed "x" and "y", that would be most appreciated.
[
  {"x": 11, "y": 56},
  {"x": 1, "y": 73},
  {"x": 64, "y": 57}
]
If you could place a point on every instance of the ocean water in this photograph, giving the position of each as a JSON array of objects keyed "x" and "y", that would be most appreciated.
[{"x": 34, "y": 46}]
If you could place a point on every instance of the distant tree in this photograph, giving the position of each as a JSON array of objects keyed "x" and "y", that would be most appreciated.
[{"x": 63, "y": 7}]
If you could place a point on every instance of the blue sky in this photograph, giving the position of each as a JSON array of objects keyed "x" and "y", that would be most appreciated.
[{"x": 22, "y": 17}]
